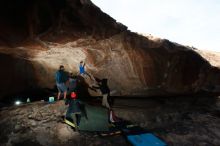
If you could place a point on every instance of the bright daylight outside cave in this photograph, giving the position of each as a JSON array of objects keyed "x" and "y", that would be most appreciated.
[{"x": 71, "y": 74}]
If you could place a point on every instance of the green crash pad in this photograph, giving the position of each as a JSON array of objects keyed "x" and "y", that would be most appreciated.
[{"x": 93, "y": 118}]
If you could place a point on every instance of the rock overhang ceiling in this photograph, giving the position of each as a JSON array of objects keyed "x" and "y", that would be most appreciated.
[{"x": 39, "y": 35}]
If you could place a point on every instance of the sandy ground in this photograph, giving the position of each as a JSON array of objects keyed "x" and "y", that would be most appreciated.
[{"x": 179, "y": 121}]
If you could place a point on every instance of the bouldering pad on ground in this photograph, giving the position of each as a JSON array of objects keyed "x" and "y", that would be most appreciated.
[
  {"x": 146, "y": 139},
  {"x": 94, "y": 118}
]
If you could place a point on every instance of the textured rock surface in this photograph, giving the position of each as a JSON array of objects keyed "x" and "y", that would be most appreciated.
[
  {"x": 211, "y": 56},
  {"x": 37, "y": 36}
]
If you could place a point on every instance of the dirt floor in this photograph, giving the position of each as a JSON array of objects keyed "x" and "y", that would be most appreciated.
[
  {"x": 179, "y": 121},
  {"x": 189, "y": 121}
]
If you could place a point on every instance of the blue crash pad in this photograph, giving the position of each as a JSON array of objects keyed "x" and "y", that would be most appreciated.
[{"x": 147, "y": 139}]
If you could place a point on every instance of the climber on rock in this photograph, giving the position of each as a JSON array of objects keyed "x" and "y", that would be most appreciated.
[
  {"x": 103, "y": 86},
  {"x": 61, "y": 81},
  {"x": 82, "y": 70},
  {"x": 73, "y": 112}
]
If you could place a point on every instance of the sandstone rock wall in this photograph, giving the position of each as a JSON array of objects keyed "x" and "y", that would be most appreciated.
[{"x": 77, "y": 30}]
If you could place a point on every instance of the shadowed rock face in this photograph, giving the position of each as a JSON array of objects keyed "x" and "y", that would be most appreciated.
[
  {"x": 39, "y": 35},
  {"x": 16, "y": 74}
]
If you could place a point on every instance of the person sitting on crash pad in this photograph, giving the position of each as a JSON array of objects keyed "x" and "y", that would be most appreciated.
[{"x": 73, "y": 112}]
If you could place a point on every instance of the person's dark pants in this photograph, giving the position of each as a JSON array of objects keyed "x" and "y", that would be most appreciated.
[{"x": 76, "y": 118}]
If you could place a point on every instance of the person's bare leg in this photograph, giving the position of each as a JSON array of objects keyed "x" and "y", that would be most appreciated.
[
  {"x": 94, "y": 82},
  {"x": 87, "y": 74},
  {"x": 58, "y": 96},
  {"x": 105, "y": 101},
  {"x": 64, "y": 95},
  {"x": 107, "y": 104}
]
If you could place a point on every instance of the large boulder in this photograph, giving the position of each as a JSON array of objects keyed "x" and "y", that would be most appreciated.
[{"x": 38, "y": 36}]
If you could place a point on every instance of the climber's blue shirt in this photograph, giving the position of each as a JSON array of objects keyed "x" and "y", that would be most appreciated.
[
  {"x": 81, "y": 69},
  {"x": 61, "y": 77}
]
